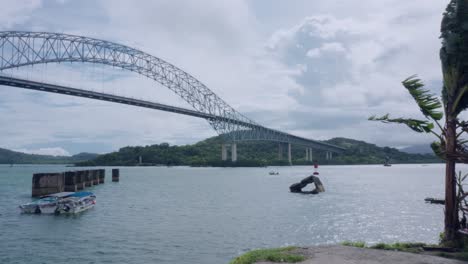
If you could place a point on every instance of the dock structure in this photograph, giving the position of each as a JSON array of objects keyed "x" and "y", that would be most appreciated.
[
  {"x": 47, "y": 183},
  {"x": 69, "y": 181}
]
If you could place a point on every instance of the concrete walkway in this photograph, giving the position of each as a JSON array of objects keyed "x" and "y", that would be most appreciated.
[{"x": 352, "y": 255}]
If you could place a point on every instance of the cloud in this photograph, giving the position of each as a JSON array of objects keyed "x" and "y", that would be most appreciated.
[
  {"x": 45, "y": 151},
  {"x": 315, "y": 68},
  {"x": 333, "y": 47},
  {"x": 16, "y": 12},
  {"x": 355, "y": 65}
]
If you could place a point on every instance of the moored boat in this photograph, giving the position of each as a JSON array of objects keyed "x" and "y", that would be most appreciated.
[
  {"x": 76, "y": 203},
  {"x": 61, "y": 203},
  {"x": 45, "y": 205}
]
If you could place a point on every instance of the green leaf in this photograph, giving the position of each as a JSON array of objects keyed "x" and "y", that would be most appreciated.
[
  {"x": 438, "y": 149},
  {"x": 454, "y": 57},
  {"x": 420, "y": 126},
  {"x": 429, "y": 104}
]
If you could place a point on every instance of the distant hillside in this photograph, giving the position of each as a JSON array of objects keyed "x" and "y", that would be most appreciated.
[
  {"x": 208, "y": 152},
  {"x": 360, "y": 152},
  {"x": 418, "y": 149},
  {"x": 13, "y": 157}
]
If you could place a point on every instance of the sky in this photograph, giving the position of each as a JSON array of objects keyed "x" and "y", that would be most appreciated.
[{"x": 317, "y": 69}]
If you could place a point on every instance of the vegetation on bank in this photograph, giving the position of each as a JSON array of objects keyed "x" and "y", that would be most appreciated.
[
  {"x": 406, "y": 247},
  {"x": 253, "y": 154},
  {"x": 280, "y": 255}
]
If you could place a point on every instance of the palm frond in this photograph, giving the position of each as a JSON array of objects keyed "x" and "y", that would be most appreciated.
[
  {"x": 420, "y": 126},
  {"x": 438, "y": 149},
  {"x": 430, "y": 105},
  {"x": 454, "y": 57}
]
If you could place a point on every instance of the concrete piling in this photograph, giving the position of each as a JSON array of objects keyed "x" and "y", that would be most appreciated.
[
  {"x": 115, "y": 175},
  {"x": 95, "y": 174},
  {"x": 47, "y": 183},
  {"x": 102, "y": 175},
  {"x": 81, "y": 183},
  {"x": 87, "y": 179},
  {"x": 69, "y": 181},
  {"x": 71, "y": 184}
]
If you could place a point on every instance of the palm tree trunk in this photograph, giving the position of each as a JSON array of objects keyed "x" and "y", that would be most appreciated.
[{"x": 451, "y": 210}]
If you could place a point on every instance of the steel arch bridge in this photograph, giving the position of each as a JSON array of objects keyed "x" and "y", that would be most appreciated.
[{"x": 20, "y": 48}]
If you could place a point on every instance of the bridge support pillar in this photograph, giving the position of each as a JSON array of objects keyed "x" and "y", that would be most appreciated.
[
  {"x": 329, "y": 155},
  {"x": 280, "y": 151},
  {"x": 311, "y": 158},
  {"x": 307, "y": 154},
  {"x": 234, "y": 152},
  {"x": 289, "y": 154},
  {"x": 224, "y": 152}
]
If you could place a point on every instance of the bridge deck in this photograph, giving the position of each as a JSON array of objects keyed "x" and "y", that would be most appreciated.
[{"x": 53, "y": 88}]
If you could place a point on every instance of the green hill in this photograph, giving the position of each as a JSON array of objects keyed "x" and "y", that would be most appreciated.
[
  {"x": 13, "y": 157},
  {"x": 208, "y": 152}
]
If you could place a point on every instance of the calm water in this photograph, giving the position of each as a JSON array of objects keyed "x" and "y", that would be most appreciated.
[{"x": 210, "y": 215}]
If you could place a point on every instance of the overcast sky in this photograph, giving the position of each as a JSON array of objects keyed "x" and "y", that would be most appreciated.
[{"x": 317, "y": 69}]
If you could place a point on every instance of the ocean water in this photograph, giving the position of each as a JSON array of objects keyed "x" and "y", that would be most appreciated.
[{"x": 211, "y": 215}]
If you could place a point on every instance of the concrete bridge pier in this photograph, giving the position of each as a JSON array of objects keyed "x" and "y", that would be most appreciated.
[
  {"x": 224, "y": 152},
  {"x": 308, "y": 156},
  {"x": 329, "y": 155},
  {"x": 280, "y": 151},
  {"x": 233, "y": 152},
  {"x": 289, "y": 154}
]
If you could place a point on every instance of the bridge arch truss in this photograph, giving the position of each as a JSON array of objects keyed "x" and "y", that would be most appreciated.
[{"x": 20, "y": 48}]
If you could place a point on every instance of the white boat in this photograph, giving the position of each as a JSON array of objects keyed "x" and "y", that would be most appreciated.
[
  {"x": 76, "y": 203},
  {"x": 45, "y": 205},
  {"x": 61, "y": 203}
]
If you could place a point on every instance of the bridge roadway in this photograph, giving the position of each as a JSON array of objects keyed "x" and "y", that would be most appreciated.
[
  {"x": 22, "y": 48},
  {"x": 58, "y": 89}
]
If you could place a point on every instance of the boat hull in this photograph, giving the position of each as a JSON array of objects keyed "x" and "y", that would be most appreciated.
[{"x": 67, "y": 203}]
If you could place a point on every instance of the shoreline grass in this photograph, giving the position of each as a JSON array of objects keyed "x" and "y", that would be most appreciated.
[{"x": 280, "y": 255}]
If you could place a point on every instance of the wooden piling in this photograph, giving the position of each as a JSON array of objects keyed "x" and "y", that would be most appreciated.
[{"x": 115, "y": 175}]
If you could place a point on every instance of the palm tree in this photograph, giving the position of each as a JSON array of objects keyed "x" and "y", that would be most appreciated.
[{"x": 449, "y": 146}]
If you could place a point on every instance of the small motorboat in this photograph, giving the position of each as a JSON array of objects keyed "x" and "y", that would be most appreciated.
[
  {"x": 76, "y": 203},
  {"x": 61, "y": 203},
  {"x": 45, "y": 205},
  {"x": 274, "y": 173}
]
